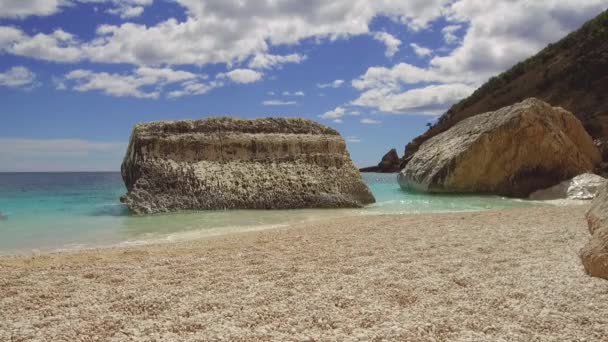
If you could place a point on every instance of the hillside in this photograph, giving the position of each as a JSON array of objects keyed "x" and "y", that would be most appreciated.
[{"x": 572, "y": 73}]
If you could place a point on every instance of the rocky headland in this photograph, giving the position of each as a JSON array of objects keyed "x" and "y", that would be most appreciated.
[
  {"x": 513, "y": 151},
  {"x": 390, "y": 163},
  {"x": 228, "y": 163}
]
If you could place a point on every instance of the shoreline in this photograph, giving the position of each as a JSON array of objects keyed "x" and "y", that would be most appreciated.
[
  {"x": 210, "y": 232},
  {"x": 324, "y": 215},
  {"x": 510, "y": 274}
]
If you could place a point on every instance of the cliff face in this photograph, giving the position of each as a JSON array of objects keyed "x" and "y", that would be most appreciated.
[
  {"x": 513, "y": 151},
  {"x": 572, "y": 74},
  {"x": 227, "y": 163}
]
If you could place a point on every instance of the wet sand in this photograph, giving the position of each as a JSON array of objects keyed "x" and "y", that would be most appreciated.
[{"x": 511, "y": 275}]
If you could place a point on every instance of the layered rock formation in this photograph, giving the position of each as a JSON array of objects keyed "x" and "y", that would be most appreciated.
[
  {"x": 572, "y": 74},
  {"x": 390, "y": 163},
  {"x": 513, "y": 152},
  {"x": 582, "y": 187},
  {"x": 227, "y": 163},
  {"x": 595, "y": 254}
]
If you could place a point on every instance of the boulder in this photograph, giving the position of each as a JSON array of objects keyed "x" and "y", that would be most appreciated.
[
  {"x": 390, "y": 163},
  {"x": 512, "y": 152},
  {"x": 595, "y": 254},
  {"x": 582, "y": 187},
  {"x": 228, "y": 163}
]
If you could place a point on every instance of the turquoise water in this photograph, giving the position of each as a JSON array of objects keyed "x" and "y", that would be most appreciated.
[{"x": 53, "y": 211}]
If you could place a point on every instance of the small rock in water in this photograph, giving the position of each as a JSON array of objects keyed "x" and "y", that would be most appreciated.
[{"x": 3, "y": 217}]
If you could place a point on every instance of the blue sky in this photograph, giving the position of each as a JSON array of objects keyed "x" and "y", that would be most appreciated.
[{"x": 76, "y": 75}]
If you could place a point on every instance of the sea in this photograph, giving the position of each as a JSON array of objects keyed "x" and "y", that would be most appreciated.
[{"x": 48, "y": 212}]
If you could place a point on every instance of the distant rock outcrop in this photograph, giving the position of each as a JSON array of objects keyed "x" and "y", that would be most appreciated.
[
  {"x": 390, "y": 163},
  {"x": 227, "y": 163},
  {"x": 572, "y": 74},
  {"x": 595, "y": 254},
  {"x": 582, "y": 187},
  {"x": 513, "y": 152}
]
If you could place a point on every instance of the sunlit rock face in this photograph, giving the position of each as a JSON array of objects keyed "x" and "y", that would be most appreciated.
[
  {"x": 228, "y": 163},
  {"x": 595, "y": 254},
  {"x": 513, "y": 151}
]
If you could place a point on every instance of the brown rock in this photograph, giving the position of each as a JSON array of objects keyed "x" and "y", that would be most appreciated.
[
  {"x": 227, "y": 163},
  {"x": 513, "y": 152},
  {"x": 390, "y": 163},
  {"x": 595, "y": 254}
]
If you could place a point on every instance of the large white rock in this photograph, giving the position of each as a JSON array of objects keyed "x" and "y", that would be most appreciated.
[
  {"x": 513, "y": 151},
  {"x": 581, "y": 187}
]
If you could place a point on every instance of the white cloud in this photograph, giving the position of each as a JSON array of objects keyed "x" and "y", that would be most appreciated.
[
  {"x": 58, "y": 46},
  {"x": 391, "y": 42},
  {"x": 429, "y": 100},
  {"x": 267, "y": 61},
  {"x": 144, "y": 82},
  {"x": 233, "y": 31},
  {"x": 279, "y": 103},
  {"x": 242, "y": 76},
  {"x": 368, "y": 121},
  {"x": 295, "y": 93},
  {"x": 127, "y": 11},
  {"x": 59, "y": 155},
  {"x": 353, "y": 139},
  {"x": 421, "y": 51},
  {"x": 18, "y": 77},
  {"x": 499, "y": 34},
  {"x": 334, "y": 84},
  {"x": 25, "y": 8},
  {"x": 502, "y": 33},
  {"x": 449, "y": 33},
  {"x": 193, "y": 87},
  {"x": 337, "y": 113}
]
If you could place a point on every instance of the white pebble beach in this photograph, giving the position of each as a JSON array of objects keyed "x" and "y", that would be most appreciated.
[{"x": 510, "y": 275}]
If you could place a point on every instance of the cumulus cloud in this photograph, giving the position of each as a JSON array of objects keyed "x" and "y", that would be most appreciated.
[
  {"x": 242, "y": 76},
  {"x": 449, "y": 33},
  {"x": 334, "y": 84},
  {"x": 144, "y": 82},
  {"x": 337, "y": 113},
  {"x": 279, "y": 103},
  {"x": 58, "y": 46},
  {"x": 391, "y": 42},
  {"x": 18, "y": 77},
  {"x": 268, "y": 61},
  {"x": 429, "y": 100},
  {"x": 233, "y": 31},
  {"x": 421, "y": 51},
  {"x": 499, "y": 34},
  {"x": 25, "y": 8}
]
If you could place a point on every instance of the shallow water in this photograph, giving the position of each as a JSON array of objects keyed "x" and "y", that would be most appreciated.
[{"x": 51, "y": 211}]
